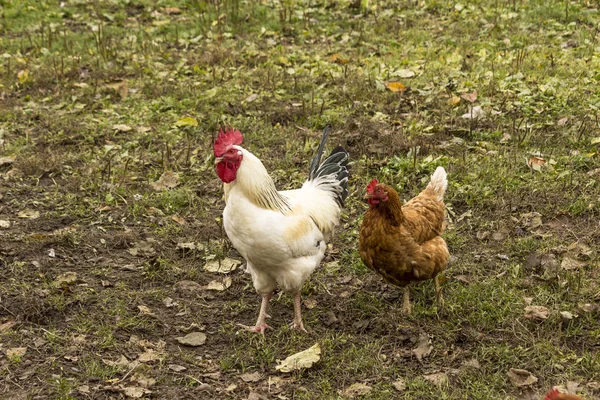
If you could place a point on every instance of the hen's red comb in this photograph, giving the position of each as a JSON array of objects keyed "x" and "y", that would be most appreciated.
[
  {"x": 225, "y": 139},
  {"x": 371, "y": 185}
]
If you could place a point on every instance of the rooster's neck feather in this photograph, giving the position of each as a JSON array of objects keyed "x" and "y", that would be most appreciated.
[{"x": 254, "y": 181}]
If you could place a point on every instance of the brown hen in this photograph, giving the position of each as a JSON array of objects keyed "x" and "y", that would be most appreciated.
[{"x": 403, "y": 242}]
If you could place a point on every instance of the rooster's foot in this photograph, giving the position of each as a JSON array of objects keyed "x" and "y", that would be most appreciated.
[
  {"x": 256, "y": 328},
  {"x": 299, "y": 326}
]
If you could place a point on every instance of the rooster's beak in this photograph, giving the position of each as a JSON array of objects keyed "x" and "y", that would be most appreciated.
[{"x": 218, "y": 160}]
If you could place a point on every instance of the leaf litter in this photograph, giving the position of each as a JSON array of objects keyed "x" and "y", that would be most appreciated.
[{"x": 301, "y": 360}]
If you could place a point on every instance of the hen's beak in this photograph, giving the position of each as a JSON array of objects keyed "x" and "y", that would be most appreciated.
[{"x": 367, "y": 196}]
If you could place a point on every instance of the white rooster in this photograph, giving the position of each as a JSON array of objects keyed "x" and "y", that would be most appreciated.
[{"x": 282, "y": 235}]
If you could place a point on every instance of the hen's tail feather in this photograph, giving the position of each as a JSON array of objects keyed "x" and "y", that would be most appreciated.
[
  {"x": 438, "y": 183},
  {"x": 314, "y": 164},
  {"x": 333, "y": 174}
]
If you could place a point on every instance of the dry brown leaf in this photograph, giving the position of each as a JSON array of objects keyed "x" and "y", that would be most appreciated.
[
  {"x": 521, "y": 377},
  {"x": 220, "y": 285},
  {"x": 193, "y": 339},
  {"x": 303, "y": 359},
  {"x": 399, "y": 384},
  {"x": 470, "y": 97},
  {"x": 224, "y": 266},
  {"x": 423, "y": 348},
  {"x": 135, "y": 392},
  {"x": 356, "y": 390},
  {"x": 569, "y": 263},
  {"x": 149, "y": 355},
  {"x": 16, "y": 352},
  {"x": 251, "y": 377},
  {"x": 122, "y": 128},
  {"x": 536, "y": 163},
  {"x": 395, "y": 87},
  {"x": 6, "y": 161},
  {"x": 438, "y": 379},
  {"x": 536, "y": 312},
  {"x": 68, "y": 278},
  {"x": 29, "y": 214},
  {"x": 145, "y": 310},
  {"x": 7, "y": 325},
  {"x": 178, "y": 219},
  {"x": 168, "y": 180}
]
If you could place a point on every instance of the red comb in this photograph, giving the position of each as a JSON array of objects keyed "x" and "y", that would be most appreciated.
[
  {"x": 553, "y": 394},
  {"x": 371, "y": 185},
  {"x": 225, "y": 139}
]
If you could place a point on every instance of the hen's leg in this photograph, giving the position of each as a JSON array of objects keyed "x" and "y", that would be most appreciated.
[
  {"x": 438, "y": 291},
  {"x": 406, "y": 300},
  {"x": 261, "y": 325},
  {"x": 297, "y": 324}
]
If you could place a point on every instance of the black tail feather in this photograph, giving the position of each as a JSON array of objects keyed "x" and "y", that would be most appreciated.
[{"x": 336, "y": 165}]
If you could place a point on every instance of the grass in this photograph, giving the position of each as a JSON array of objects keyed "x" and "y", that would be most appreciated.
[{"x": 96, "y": 99}]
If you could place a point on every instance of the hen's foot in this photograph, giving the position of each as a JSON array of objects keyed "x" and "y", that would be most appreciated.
[
  {"x": 256, "y": 328},
  {"x": 406, "y": 308}
]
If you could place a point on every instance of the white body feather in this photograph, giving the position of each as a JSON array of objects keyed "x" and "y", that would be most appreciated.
[{"x": 281, "y": 246}]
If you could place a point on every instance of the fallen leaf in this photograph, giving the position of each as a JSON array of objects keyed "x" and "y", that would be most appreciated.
[
  {"x": 193, "y": 339},
  {"x": 404, "y": 73},
  {"x": 474, "y": 113},
  {"x": 251, "y": 98},
  {"x": 16, "y": 352},
  {"x": 145, "y": 310},
  {"x": 470, "y": 97},
  {"x": 423, "y": 348},
  {"x": 310, "y": 303},
  {"x": 463, "y": 278},
  {"x": 399, "y": 385},
  {"x": 536, "y": 163},
  {"x": 536, "y": 312},
  {"x": 7, "y": 325},
  {"x": 395, "y": 87},
  {"x": 168, "y": 180},
  {"x": 6, "y": 161},
  {"x": 454, "y": 101},
  {"x": 178, "y": 219},
  {"x": 177, "y": 368},
  {"x": 252, "y": 377},
  {"x": 23, "y": 76},
  {"x": 188, "y": 287},
  {"x": 587, "y": 307},
  {"x": 4, "y": 224},
  {"x": 220, "y": 285},
  {"x": 521, "y": 377},
  {"x": 149, "y": 355},
  {"x": 68, "y": 278},
  {"x": 135, "y": 392},
  {"x": 338, "y": 59},
  {"x": 569, "y": 263},
  {"x": 142, "y": 380},
  {"x": 29, "y": 214},
  {"x": 256, "y": 396},
  {"x": 223, "y": 266},
  {"x": 566, "y": 316},
  {"x": 172, "y": 10},
  {"x": 121, "y": 88},
  {"x": 121, "y": 128},
  {"x": 438, "y": 379},
  {"x": 596, "y": 140},
  {"x": 472, "y": 363},
  {"x": 303, "y": 359},
  {"x": 168, "y": 302},
  {"x": 85, "y": 389},
  {"x": 356, "y": 389},
  {"x": 142, "y": 248},
  {"x": 187, "y": 121}
]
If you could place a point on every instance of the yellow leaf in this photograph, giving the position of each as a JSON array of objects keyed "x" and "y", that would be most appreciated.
[
  {"x": 338, "y": 59},
  {"x": 454, "y": 100},
  {"x": 395, "y": 86},
  {"x": 187, "y": 121},
  {"x": 23, "y": 75}
]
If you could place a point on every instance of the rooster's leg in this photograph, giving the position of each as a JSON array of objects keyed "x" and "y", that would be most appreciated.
[
  {"x": 261, "y": 325},
  {"x": 297, "y": 324},
  {"x": 438, "y": 291},
  {"x": 406, "y": 300}
]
